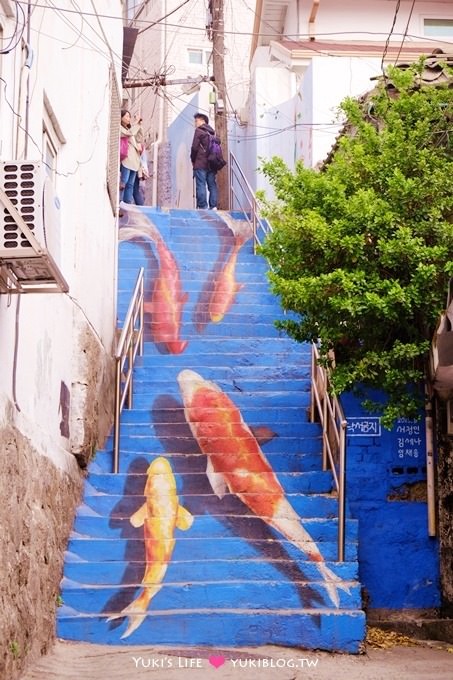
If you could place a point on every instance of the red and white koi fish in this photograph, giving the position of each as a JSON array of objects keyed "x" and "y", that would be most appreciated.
[
  {"x": 236, "y": 462},
  {"x": 160, "y": 515},
  {"x": 225, "y": 285},
  {"x": 167, "y": 300}
]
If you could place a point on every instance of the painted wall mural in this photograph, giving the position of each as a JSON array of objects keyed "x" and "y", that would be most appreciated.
[{"x": 220, "y": 513}]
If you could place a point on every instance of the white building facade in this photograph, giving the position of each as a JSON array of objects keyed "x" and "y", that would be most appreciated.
[
  {"x": 174, "y": 41},
  {"x": 308, "y": 55},
  {"x": 60, "y": 95}
]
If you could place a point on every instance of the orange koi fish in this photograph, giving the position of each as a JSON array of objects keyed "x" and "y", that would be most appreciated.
[
  {"x": 236, "y": 462},
  {"x": 159, "y": 516},
  {"x": 225, "y": 286},
  {"x": 167, "y": 300}
]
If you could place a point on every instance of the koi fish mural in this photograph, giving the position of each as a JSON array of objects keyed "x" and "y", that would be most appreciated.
[
  {"x": 235, "y": 462},
  {"x": 160, "y": 515},
  {"x": 225, "y": 285},
  {"x": 168, "y": 300}
]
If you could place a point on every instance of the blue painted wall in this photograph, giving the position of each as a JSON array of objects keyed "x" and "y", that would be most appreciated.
[{"x": 398, "y": 561}]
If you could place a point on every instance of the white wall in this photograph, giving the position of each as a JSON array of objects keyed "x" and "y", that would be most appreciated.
[
  {"x": 42, "y": 336},
  {"x": 312, "y": 102},
  {"x": 370, "y": 20},
  {"x": 164, "y": 48}
]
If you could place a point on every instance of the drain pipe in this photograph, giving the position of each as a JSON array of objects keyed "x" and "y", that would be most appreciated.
[
  {"x": 160, "y": 134},
  {"x": 430, "y": 483}
]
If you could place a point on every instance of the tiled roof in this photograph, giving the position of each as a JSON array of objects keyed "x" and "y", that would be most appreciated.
[{"x": 435, "y": 73}]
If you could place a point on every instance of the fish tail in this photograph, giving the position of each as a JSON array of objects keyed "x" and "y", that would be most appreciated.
[
  {"x": 137, "y": 220},
  {"x": 136, "y": 610},
  {"x": 241, "y": 229},
  {"x": 333, "y": 583}
]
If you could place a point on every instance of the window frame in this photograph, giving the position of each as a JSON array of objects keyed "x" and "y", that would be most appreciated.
[{"x": 430, "y": 17}]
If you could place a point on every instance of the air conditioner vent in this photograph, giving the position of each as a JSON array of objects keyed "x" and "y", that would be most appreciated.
[{"x": 29, "y": 261}]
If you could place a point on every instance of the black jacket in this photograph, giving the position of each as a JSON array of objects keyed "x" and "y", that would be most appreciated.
[{"x": 200, "y": 145}]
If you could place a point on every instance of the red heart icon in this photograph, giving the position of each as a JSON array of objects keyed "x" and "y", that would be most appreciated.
[{"x": 216, "y": 661}]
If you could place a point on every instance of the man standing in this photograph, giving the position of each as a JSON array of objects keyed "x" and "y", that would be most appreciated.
[{"x": 199, "y": 157}]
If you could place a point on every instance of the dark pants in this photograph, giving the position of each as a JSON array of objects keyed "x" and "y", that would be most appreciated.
[
  {"x": 139, "y": 198},
  {"x": 205, "y": 178}
]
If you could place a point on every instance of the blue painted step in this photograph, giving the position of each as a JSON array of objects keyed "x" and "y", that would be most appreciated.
[
  {"x": 307, "y": 506},
  {"x": 343, "y": 629},
  {"x": 228, "y": 578},
  {"x": 114, "y": 572},
  {"x": 199, "y": 549},
  {"x": 186, "y": 462}
]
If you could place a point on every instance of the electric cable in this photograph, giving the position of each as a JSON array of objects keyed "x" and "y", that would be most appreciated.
[{"x": 10, "y": 47}]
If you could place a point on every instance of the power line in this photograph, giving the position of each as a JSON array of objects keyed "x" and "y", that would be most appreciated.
[
  {"x": 297, "y": 37},
  {"x": 405, "y": 31},
  {"x": 8, "y": 49},
  {"x": 387, "y": 42},
  {"x": 158, "y": 21}
]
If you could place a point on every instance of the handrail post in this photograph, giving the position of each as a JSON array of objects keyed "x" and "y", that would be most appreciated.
[
  {"x": 312, "y": 388},
  {"x": 325, "y": 431},
  {"x": 116, "y": 421},
  {"x": 130, "y": 370},
  {"x": 342, "y": 493},
  {"x": 131, "y": 341},
  {"x": 141, "y": 317}
]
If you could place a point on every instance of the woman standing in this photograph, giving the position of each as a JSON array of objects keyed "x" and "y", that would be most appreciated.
[{"x": 131, "y": 163}]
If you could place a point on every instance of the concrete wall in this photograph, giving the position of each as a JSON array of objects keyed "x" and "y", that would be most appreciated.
[
  {"x": 55, "y": 349},
  {"x": 386, "y": 491},
  {"x": 311, "y": 101},
  {"x": 357, "y": 20},
  {"x": 164, "y": 48}
]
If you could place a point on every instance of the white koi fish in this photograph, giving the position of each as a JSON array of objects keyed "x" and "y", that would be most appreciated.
[{"x": 236, "y": 462}]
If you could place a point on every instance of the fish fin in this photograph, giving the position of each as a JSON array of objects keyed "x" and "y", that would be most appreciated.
[
  {"x": 263, "y": 434},
  {"x": 184, "y": 298},
  {"x": 239, "y": 286},
  {"x": 138, "y": 518},
  {"x": 184, "y": 519},
  {"x": 216, "y": 480},
  {"x": 333, "y": 583}
]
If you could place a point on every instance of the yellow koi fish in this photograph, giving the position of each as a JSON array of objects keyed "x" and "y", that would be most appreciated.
[
  {"x": 225, "y": 285},
  {"x": 167, "y": 300},
  {"x": 160, "y": 515},
  {"x": 236, "y": 462}
]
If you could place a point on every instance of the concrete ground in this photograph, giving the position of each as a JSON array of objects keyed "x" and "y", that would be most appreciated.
[{"x": 76, "y": 661}]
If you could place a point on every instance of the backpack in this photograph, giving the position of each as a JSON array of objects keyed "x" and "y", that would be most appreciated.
[
  {"x": 216, "y": 160},
  {"x": 124, "y": 146}
]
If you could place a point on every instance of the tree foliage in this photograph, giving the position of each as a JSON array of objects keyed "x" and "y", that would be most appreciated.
[{"x": 362, "y": 251}]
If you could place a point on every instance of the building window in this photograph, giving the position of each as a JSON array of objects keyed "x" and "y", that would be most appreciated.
[
  {"x": 52, "y": 139},
  {"x": 438, "y": 27},
  {"x": 49, "y": 154},
  {"x": 195, "y": 56}
]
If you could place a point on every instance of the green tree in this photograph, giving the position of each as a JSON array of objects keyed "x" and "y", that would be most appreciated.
[{"x": 362, "y": 251}]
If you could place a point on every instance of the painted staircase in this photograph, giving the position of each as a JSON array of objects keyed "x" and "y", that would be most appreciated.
[{"x": 220, "y": 576}]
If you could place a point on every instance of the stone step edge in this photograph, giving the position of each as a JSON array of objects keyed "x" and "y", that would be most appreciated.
[
  {"x": 71, "y": 584},
  {"x": 246, "y": 612}
]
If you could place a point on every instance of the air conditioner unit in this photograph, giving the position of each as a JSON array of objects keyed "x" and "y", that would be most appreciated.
[{"x": 30, "y": 230}]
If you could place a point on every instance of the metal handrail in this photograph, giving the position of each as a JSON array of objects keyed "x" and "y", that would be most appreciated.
[
  {"x": 323, "y": 404},
  {"x": 242, "y": 198},
  {"x": 330, "y": 414},
  {"x": 129, "y": 343}
]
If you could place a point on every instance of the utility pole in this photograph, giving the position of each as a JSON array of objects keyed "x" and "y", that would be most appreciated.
[{"x": 220, "y": 121}]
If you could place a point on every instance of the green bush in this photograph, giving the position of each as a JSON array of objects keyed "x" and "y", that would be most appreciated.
[{"x": 362, "y": 250}]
